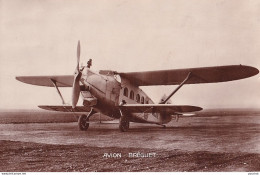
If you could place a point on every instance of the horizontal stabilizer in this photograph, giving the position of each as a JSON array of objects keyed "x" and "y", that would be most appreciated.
[{"x": 66, "y": 108}]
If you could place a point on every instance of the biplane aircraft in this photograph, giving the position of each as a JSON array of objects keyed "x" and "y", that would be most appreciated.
[{"x": 117, "y": 94}]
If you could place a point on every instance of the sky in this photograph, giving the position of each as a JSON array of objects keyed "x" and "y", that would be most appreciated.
[{"x": 40, "y": 38}]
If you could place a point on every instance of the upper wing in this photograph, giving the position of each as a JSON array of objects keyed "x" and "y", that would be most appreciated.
[
  {"x": 161, "y": 77},
  {"x": 161, "y": 108},
  {"x": 66, "y": 108},
  {"x": 61, "y": 80},
  {"x": 198, "y": 75}
]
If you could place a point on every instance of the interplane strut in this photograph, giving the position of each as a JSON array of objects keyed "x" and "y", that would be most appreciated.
[
  {"x": 54, "y": 84},
  {"x": 184, "y": 81}
]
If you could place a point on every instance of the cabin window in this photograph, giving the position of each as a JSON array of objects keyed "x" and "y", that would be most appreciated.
[
  {"x": 132, "y": 95},
  {"x": 138, "y": 98},
  {"x": 142, "y": 100},
  {"x": 126, "y": 92},
  {"x": 147, "y": 102}
]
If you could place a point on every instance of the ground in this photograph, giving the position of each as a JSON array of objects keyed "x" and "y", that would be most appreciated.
[{"x": 217, "y": 143}]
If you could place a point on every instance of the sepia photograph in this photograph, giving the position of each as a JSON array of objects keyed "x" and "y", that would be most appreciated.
[{"x": 129, "y": 86}]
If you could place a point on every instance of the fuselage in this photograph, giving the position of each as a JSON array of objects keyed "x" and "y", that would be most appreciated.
[{"x": 110, "y": 90}]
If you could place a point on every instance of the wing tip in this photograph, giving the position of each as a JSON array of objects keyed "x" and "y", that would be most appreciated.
[
  {"x": 199, "y": 108},
  {"x": 23, "y": 79},
  {"x": 194, "y": 109},
  {"x": 26, "y": 80},
  {"x": 252, "y": 71},
  {"x": 19, "y": 78},
  {"x": 44, "y": 107}
]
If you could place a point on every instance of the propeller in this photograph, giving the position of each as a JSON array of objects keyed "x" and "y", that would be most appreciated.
[{"x": 76, "y": 85}]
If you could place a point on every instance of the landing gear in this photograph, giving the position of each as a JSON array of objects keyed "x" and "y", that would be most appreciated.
[
  {"x": 123, "y": 123},
  {"x": 83, "y": 121}
]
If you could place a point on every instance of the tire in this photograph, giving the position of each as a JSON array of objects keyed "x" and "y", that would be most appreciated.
[
  {"x": 123, "y": 124},
  {"x": 82, "y": 123}
]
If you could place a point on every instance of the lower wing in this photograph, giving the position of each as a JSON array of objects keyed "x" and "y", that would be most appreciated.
[
  {"x": 66, "y": 108},
  {"x": 159, "y": 108}
]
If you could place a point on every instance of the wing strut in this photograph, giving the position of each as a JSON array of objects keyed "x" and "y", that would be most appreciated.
[
  {"x": 54, "y": 84},
  {"x": 184, "y": 81}
]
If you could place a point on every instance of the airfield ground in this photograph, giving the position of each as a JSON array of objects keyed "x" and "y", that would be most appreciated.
[{"x": 215, "y": 143}]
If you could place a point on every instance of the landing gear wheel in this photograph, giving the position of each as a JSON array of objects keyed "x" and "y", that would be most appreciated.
[
  {"x": 83, "y": 123},
  {"x": 123, "y": 124}
]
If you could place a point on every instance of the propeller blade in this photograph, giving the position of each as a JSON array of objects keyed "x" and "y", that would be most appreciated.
[
  {"x": 76, "y": 85},
  {"x": 78, "y": 55},
  {"x": 75, "y": 91}
]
